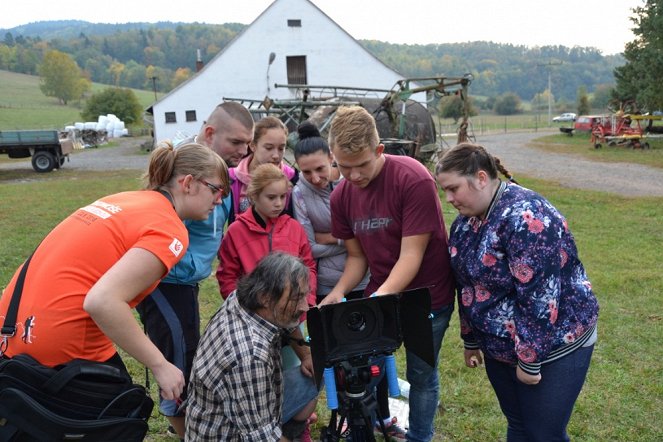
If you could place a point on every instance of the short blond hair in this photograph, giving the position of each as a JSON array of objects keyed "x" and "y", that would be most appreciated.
[
  {"x": 353, "y": 130},
  {"x": 262, "y": 176}
]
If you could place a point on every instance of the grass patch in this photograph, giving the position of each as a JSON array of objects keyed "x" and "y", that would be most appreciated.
[
  {"x": 580, "y": 144},
  {"x": 619, "y": 241},
  {"x": 24, "y": 106}
]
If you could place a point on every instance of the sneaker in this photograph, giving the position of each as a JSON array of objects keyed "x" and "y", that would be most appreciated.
[{"x": 392, "y": 430}]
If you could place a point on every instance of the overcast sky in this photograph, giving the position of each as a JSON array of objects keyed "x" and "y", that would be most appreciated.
[{"x": 603, "y": 24}]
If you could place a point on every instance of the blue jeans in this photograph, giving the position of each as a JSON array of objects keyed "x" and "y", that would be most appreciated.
[
  {"x": 540, "y": 412},
  {"x": 298, "y": 390},
  {"x": 424, "y": 382}
]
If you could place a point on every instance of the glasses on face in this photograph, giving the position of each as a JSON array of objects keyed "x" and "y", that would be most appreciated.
[{"x": 212, "y": 187}]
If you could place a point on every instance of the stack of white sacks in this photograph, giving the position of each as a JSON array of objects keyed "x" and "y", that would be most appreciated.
[{"x": 113, "y": 126}]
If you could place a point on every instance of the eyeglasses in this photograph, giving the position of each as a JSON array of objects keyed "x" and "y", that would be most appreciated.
[{"x": 213, "y": 188}]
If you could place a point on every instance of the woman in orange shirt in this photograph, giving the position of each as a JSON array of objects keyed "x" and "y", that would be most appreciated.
[{"x": 97, "y": 264}]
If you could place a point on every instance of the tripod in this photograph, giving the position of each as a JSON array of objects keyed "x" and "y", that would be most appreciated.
[{"x": 355, "y": 404}]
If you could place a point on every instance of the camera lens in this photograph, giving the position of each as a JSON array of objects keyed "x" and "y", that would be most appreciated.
[{"x": 356, "y": 322}]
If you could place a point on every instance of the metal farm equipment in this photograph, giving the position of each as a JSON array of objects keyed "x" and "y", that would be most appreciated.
[
  {"x": 624, "y": 130},
  {"x": 405, "y": 126}
]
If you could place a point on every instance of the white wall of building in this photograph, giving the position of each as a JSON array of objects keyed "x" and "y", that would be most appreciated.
[{"x": 333, "y": 57}]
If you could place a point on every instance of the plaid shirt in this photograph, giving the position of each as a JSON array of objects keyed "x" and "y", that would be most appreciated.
[{"x": 235, "y": 391}]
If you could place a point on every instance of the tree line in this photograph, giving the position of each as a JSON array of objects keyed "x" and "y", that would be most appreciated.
[
  {"x": 640, "y": 79},
  {"x": 131, "y": 56}
]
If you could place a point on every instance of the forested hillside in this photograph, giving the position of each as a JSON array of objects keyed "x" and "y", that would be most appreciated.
[{"x": 132, "y": 54}]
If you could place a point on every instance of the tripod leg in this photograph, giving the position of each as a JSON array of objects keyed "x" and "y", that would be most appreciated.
[{"x": 330, "y": 433}]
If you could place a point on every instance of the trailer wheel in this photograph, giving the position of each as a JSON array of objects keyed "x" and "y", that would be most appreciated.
[
  {"x": 43, "y": 162},
  {"x": 597, "y": 145}
]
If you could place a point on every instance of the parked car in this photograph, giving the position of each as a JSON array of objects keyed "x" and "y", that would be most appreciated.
[
  {"x": 585, "y": 123},
  {"x": 568, "y": 116}
]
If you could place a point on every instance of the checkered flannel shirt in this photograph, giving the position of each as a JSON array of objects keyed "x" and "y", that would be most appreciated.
[{"x": 235, "y": 392}]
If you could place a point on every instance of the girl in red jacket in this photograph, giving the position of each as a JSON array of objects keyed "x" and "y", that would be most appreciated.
[{"x": 262, "y": 229}]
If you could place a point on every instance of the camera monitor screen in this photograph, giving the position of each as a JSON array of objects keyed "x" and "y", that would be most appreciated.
[{"x": 370, "y": 326}]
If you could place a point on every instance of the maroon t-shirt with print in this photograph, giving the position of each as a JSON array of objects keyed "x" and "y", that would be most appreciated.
[{"x": 402, "y": 200}]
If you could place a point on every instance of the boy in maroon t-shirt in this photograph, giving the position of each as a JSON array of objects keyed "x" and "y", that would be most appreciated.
[{"x": 387, "y": 211}]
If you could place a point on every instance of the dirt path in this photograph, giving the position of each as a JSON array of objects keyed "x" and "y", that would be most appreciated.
[
  {"x": 572, "y": 171},
  {"x": 626, "y": 179}
]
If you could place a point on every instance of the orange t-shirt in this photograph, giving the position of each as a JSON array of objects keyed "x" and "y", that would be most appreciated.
[{"x": 51, "y": 323}]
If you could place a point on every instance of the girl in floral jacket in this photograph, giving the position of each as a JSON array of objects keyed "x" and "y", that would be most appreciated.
[{"x": 525, "y": 300}]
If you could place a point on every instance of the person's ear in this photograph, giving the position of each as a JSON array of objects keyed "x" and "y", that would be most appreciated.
[
  {"x": 379, "y": 150},
  {"x": 482, "y": 178},
  {"x": 187, "y": 181},
  {"x": 209, "y": 132}
]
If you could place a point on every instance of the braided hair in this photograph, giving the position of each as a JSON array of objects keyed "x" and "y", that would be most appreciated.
[{"x": 467, "y": 159}]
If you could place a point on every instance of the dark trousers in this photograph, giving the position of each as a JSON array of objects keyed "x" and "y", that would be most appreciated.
[
  {"x": 172, "y": 321},
  {"x": 540, "y": 413}
]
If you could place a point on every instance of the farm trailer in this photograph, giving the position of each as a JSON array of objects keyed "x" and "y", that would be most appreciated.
[{"x": 47, "y": 149}]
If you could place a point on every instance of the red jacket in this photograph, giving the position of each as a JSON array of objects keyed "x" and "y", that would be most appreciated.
[{"x": 246, "y": 242}]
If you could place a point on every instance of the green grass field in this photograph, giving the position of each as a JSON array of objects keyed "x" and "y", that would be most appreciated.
[
  {"x": 24, "y": 106},
  {"x": 619, "y": 240}
]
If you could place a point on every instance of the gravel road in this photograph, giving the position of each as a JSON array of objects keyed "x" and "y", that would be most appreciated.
[
  {"x": 626, "y": 179},
  {"x": 574, "y": 171}
]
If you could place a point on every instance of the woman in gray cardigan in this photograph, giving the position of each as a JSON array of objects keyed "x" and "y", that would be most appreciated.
[{"x": 311, "y": 206}]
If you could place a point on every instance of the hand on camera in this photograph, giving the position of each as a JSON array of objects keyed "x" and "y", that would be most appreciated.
[{"x": 331, "y": 298}]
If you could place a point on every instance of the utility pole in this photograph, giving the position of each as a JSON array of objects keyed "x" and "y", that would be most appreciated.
[
  {"x": 154, "y": 86},
  {"x": 548, "y": 65}
]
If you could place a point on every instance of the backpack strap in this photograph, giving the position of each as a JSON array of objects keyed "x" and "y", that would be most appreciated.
[{"x": 9, "y": 326}]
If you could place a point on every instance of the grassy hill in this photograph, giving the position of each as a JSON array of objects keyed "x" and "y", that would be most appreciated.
[{"x": 24, "y": 106}]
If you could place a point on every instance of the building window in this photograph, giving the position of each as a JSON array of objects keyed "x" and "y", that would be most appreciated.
[
  {"x": 191, "y": 115},
  {"x": 295, "y": 23},
  {"x": 170, "y": 117},
  {"x": 296, "y": 69}
]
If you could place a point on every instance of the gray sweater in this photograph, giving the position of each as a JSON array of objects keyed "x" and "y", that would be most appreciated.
[{"x": 311, "y": 207}]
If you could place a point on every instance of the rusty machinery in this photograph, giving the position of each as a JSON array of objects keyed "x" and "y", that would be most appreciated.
[{"x": 405, "y": 126}]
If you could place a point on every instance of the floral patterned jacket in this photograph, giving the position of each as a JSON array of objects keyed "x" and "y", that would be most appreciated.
[{"x": 523, "y": 293}]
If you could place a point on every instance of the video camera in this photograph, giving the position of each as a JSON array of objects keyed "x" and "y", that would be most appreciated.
[{"x": 357, "y": 329}]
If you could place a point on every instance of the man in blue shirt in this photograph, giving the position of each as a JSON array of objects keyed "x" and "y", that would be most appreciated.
[{"x": 170, "y": 314}]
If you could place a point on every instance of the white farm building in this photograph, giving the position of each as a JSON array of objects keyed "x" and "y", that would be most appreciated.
[{"x": 291, "y": 42}]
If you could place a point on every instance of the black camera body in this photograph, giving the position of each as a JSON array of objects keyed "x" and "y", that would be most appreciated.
[{"x": 361, "y": 328}]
